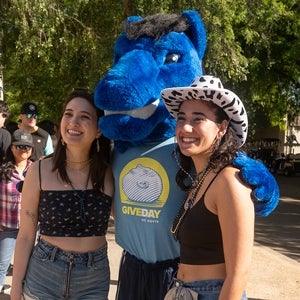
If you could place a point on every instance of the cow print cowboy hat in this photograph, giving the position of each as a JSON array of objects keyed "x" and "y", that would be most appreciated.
[{"x": 210, "y": 88}]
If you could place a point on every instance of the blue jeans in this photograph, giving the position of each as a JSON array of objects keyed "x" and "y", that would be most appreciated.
[
  {"x": 206, "y": 289},
  {"x": 7, "y": 247},
  {"x": 56, "y": 274}
]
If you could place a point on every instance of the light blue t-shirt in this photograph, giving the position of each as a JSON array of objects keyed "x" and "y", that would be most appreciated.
[
  {"x": 147, "y": 199},
  {"x": 49, "y": 146}
]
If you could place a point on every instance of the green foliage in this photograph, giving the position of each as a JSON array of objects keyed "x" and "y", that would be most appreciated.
[{"x": 51, "y": 46}]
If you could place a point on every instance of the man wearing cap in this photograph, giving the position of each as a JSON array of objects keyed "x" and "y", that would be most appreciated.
[
  {"x": 41, "y": 139},
  {"x": 5, "y": 137}
]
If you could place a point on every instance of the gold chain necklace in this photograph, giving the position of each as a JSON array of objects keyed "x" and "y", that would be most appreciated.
[
  {"x": 78, "y": 162},
  {"x": 186, "y": 206}
]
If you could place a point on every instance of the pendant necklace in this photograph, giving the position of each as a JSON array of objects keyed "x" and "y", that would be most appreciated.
[
  {"x": 187, "y": 204},
  {"x": 81, "y": 197}
]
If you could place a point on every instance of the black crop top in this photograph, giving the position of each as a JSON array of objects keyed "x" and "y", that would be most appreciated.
[
  {"x": 200, "y": 236},
  {"x": 74, "y": 213}
]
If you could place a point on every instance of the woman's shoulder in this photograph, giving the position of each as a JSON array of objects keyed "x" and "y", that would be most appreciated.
[
  {"x": 228, "y": 171},
  {"x": 230, "y": 178},
  {"x": 227, "y": 191},
  {"x": 43, "y": 165},
  {"x": 46, "y": 162}
]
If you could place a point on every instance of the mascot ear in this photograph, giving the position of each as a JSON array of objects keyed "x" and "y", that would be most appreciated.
[{"x": 196, "y": 31}]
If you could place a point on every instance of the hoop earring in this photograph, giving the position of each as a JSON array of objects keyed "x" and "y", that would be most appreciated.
[{"x": 97, "y": 145}]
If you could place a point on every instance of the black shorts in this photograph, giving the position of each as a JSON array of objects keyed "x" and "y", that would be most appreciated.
[{"x": 142, "y": 281}]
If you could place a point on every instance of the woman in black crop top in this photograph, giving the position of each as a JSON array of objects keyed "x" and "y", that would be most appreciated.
[
  {"x": 68, "y": 196},
  {"x": 215, "y": 226}
]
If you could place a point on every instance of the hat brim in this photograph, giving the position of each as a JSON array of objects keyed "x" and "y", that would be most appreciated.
[
  {"x": 21, "y": 143},
  {"x": 225, "y": 99}
]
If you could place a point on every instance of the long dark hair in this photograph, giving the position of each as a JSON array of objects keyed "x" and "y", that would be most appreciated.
[
  {"x": 223, "y": 152},
  {"x": 99, "y": 160}
]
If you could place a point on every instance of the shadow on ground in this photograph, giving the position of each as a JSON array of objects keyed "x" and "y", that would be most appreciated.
[{"x": 281, "y": 230}]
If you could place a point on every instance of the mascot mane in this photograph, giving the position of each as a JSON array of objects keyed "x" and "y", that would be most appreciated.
[{"x": 155, "y": 26}]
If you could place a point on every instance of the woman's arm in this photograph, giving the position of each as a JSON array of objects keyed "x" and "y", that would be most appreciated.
[
  {"x": 235, "y": 210},
  {"x": 28, "y": 229}
]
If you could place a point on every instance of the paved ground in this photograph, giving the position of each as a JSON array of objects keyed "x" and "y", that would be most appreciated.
[{"x": 275, "y": 273}]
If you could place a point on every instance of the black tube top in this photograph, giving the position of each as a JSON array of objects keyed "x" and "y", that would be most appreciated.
[{"x": 74, "y": 213}]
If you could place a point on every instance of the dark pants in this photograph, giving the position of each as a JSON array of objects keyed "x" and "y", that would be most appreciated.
[{"x": 141, "y": 281}]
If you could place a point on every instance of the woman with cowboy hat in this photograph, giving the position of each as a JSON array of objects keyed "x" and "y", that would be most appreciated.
[{"x": 215, "y": 226}]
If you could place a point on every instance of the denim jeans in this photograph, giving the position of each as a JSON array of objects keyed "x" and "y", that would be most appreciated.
[
  {"x": 56, "y": 274},
  {"x": 206, "y": 289},
  {"x": 7, "y": 246}
]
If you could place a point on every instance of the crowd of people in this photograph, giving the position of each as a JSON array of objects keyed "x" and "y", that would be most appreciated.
[
  {"x": 20, "y": 145},
  {"x": 66, "y": 200}
]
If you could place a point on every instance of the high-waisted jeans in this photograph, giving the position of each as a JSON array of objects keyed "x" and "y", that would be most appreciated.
[{"x": 56, "y": 274}]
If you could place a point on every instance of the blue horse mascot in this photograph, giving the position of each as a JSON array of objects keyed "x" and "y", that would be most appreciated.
[{"x": 151, "y": 54}]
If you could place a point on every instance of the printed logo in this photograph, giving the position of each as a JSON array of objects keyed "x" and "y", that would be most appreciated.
[{"x": 144, "y": 182}]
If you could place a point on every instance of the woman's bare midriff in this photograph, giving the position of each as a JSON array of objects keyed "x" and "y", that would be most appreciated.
[
  {"x": 188, "y": 273},
  {"x": 76, "y": 244}
]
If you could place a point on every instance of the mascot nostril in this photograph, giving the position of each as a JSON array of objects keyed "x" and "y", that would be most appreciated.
[{"x": 152, "y": 54}]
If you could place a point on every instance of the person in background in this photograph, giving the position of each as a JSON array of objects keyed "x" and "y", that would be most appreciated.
[
  {"x": 42, "y": 140},
  {"x": 11, "y": 126},
  {"x": 215, "y": 226},
  {"x": 51, "y": 128},
  {"x": 5, "y": 137},
  {"x": 12, "y": 173},
  {"x": 69, "y": 195}
]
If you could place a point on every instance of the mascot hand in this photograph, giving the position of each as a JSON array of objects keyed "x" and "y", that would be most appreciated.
[{"x": 265, "y": 188}]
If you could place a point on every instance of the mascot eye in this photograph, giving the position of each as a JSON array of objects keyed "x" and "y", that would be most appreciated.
[{"x": 172, "y": 58}]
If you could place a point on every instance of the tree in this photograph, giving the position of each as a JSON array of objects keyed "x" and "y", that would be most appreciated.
[
  {"x": 49, "y": 47},
  {"x": 270, "y": 40}
]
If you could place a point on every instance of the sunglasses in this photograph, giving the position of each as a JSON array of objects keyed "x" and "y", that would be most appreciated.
[
  {"x": 23, "y": 147},
  {"x": 29, "y": 116}
]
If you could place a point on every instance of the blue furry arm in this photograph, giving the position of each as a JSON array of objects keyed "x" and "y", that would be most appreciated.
[{"x": 263, "y": 183}]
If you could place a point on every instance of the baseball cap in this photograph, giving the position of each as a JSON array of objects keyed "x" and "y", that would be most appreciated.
[
  {"x": 29, "y": 108},
  {"x": 21, "y": 137}
]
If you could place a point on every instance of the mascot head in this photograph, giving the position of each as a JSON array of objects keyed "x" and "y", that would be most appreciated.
[{"x": 151, "y": 54}]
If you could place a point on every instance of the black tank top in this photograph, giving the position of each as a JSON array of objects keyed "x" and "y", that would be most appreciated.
[{"x": 200, "y": 236}]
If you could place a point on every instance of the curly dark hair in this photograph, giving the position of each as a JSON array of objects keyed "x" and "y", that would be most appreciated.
[
  {"x": 7, "y": 167},
  {"x": 223, "y": 152},
  {"x": 99, "y": 160}
]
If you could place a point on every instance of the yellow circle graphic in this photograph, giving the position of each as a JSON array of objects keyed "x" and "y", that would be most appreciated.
[{"x": 144, "y": 182}]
